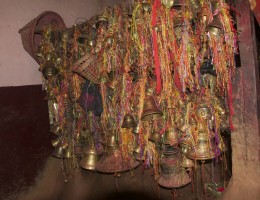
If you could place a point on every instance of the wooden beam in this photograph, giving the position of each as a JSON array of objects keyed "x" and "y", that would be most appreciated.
[{"x": 245, "y": 139}]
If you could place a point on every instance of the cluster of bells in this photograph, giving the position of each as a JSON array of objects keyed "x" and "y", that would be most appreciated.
[
  {"x": 178, "y": 152},
  {"x": 214, "y": 27}
]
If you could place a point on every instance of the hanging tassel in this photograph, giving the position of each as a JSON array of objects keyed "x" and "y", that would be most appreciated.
[{"x": 155, "y": 49}]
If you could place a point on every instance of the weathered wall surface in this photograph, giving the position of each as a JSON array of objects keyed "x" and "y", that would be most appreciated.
[{"x": 16, "y": 65}]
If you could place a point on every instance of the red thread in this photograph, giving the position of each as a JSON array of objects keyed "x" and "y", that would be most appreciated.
[{"x": 155, "y": 49}]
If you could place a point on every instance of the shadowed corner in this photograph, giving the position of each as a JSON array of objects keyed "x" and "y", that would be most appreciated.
[{"x": 127, "y": 195}]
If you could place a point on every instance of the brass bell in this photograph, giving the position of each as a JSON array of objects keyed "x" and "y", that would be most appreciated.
[
  {"x": 203, "y": 112},
  {"x": 56, "y": 130},
  {"x": 49, "y": 70},
  {"x": 55, "y": 142},
  {"x": 203, "y": 150},
  {"x": 136, "y": 129},
  {"x": 58, "y": 152},
  {"x": 150, "y": 110},
  {"x": 110, "y": 141},
  {"x": 137, "y": 153},
  {"x": 187, "y": 163},
  {"x": 128, "y": 121},
  {"x": 90, "y": 159},
  {"x": 214, "y": 27},
  {"x": 155, "y": 137},
  {"x": 112, "y": 160},
  {"x": 68, "y": 153},
  {"x": 173, "y": 175},
  {"x": 170, "y": 137},
  {"x": 195, "y": 6},
  {"x": 102, "y": 20},
  {"x": 186, "y": 145},
  {"x": 146, "y": 6}
]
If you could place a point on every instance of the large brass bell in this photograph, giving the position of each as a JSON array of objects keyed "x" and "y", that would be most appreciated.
[
  {"x": 128, "y": 121},
  {"x": 203, "y": 150},
  {"x": 214, "y": 27},
  {"x": 112, "y": 160},
  {"x": 49, "y": 70},
  {"x": 173, "y": 174},
  {"x": 150, "y": 110},
  {"x": 90, "y": 159}
]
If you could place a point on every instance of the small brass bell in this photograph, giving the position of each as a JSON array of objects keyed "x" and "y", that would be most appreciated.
[
  {"x": 102, "y": 20},
  {"x": 55, "y": 142},
  {"x": 150, "y": 110},
  {"x": 68, "y": 153},
  {"x": 128, "y": 121},
  {"x": 137, "y": 153},
  {"x": 170, "y": 137},
  {"x": 214, "y": 27},
  {"x": 136, "y": 129},
  {"x": 49, "y": 70},
  {"x": 203, "y": 112},
  {"x": 155, "y": 137},
  {"x": 195, "y": 6},
  {"x": 56, "y": 130},
  {"x": 90, "y": 159},
  {"x": 59, "y": 152},
  {"x": 168, "y": 3},
  {"x": 146, "y": 6},
  {"x": 203, "y": 150},
  {"x": 187, "y": 163},
  {"x": 186, "y": 145}
]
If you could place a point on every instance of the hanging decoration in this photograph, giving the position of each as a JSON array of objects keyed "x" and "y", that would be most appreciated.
[{"x": 146, "y": 82}]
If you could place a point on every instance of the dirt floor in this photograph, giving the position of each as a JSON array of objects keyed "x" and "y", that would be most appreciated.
[{"x": 88, "y": 185}]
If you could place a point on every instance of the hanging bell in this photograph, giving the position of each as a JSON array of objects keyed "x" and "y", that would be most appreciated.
[
  {"x": 187, "y": 163},
  {"x": 150, "y": 110},
  {"x": 102, "y": 20},
  {"x": 49, "y": 70},
  {"x": 195, "y": 6},
  {"x": 55, "y": 142},
  {"x": 90, "y": 159},
  {"x": 186, "y": 145},
  {"x": 214, "y": 27},
  {"x": 56, "y": 130},
  {"x": 136, "y": 129},
  {"x": 170, "y": 137},
  {"x": 112, "y": 160},
  {"x": 203, "y": 150},
  {"x": 68, "y": 154},
  {"x": 173, "y": 175},
  {"x": 137, "y": 153},
  {"x": 203, "y": 112},
  {"x": 155, "y": 137},
  {"x": 128, "y": 121},
  {"x": 59, "y": 152}
]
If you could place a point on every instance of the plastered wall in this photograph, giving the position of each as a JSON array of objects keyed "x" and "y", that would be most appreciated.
[{"x": 16, "y": 65}]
